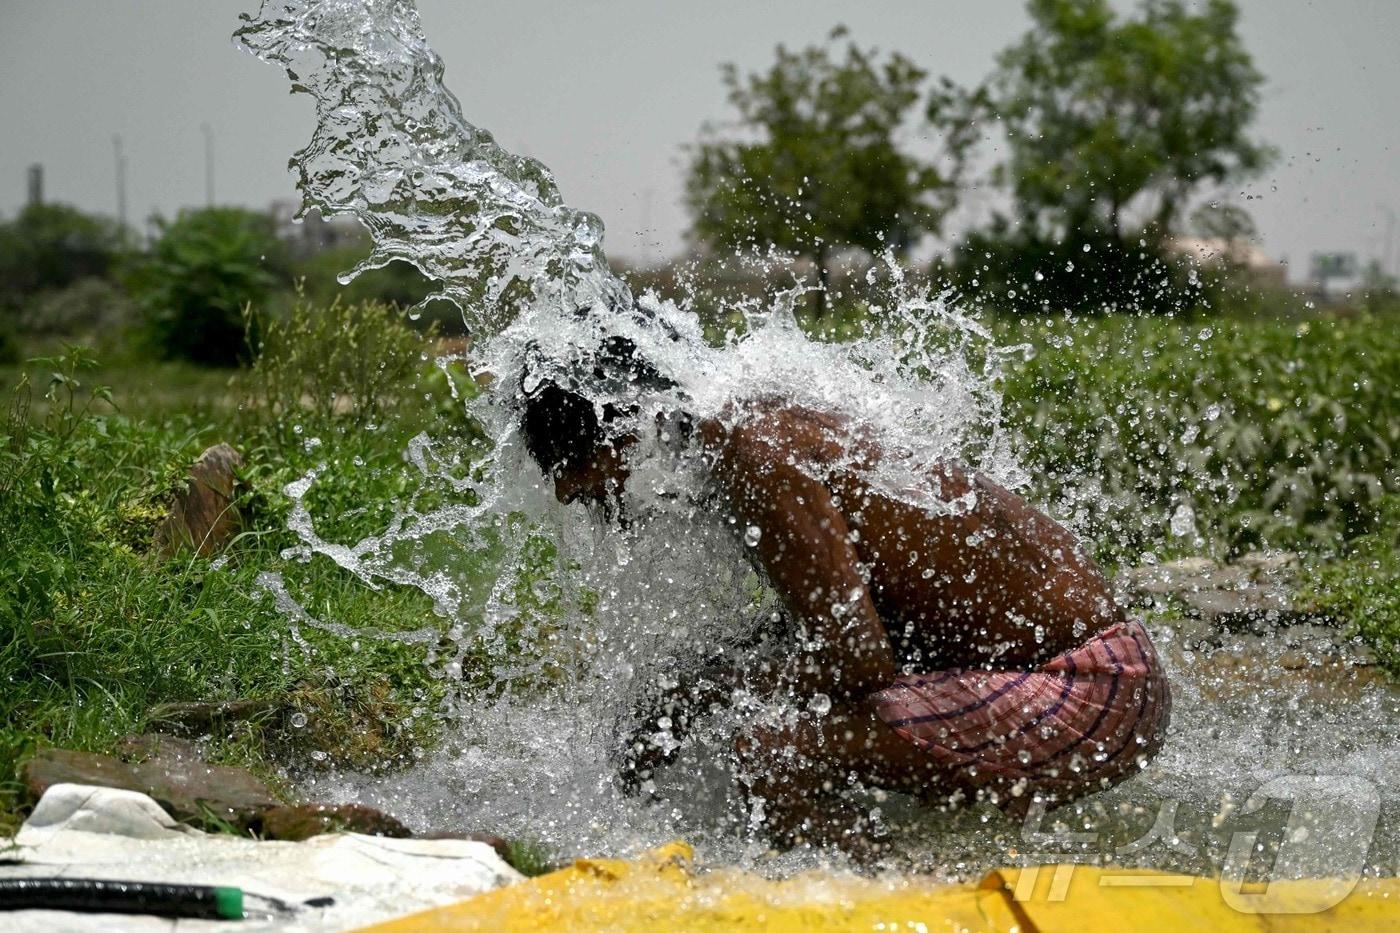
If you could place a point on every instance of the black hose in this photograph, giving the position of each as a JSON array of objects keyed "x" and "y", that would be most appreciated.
[{"x": 90, "y": 895}]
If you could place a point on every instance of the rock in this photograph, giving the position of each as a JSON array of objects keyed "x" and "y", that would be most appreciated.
[
  {"x": 1269, "y": 562},
  {"x": 202, "y": 515},
  {"x": 1242, "y": 677},
  {"x": 295, "y": 823},
  {"x": 1255, "y": 593},
  {"x": 60, "y": 766},
  {"x": 174, "y": 775},
  {"x": 139, "y": 748},
  {"x": 197, "y": 719},
  {"x": 1244, "y": 608}
]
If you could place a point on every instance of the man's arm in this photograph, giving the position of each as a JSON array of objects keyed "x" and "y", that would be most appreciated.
[{"x": 805, "y": 547}]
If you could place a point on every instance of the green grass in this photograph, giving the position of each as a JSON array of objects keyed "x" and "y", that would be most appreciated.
[{"x": 96, "y": 629}]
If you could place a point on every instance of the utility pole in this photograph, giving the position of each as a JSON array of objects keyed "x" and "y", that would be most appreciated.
[
  {"x": 36, "y": 185},
  {"x": 1388, "y": 259},
  {"x": 208, "y": 163},
  {"x": 120, "y": 162}
]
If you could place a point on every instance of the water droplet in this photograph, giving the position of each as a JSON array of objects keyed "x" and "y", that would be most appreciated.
[
  {"x": 1183, "y": 520},
  {"x": 752, "y": 534},
  {"x": 298, "y": 720}
]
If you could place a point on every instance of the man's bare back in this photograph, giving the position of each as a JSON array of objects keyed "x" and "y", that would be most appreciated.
[{"x": 972, "y": 576}]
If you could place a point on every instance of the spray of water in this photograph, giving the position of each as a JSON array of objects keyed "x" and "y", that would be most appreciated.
[{"x": 573, "y": 616}]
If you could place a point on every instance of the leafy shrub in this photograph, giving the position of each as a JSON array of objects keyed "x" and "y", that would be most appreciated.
[
  {"x": 1252, "y": 434},
  {"x": 330, "y": 369},
  {"x": 90, "y": 306},
  {"x": 1364, "y": 588},
  {"x": 1023, "y": 274},
  {"x": 205, "y": 268},
  {"x": 51, "y": 246}
]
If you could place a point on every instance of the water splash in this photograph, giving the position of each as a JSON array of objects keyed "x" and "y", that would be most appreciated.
[
  {"x": 391, "y": 149},
  {"x": 572, "y": 618}
]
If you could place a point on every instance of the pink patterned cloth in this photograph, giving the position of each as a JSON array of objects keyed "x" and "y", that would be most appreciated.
[{"x": 1084, "y": 721}]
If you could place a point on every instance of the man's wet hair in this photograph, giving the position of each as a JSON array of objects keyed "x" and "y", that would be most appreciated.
[{"x": 561, "y": 426}]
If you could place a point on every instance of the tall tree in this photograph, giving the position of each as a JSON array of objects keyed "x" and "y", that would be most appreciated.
[
  {"x": 814, "y": 162},
  {"x": 1114, "y": 123}
]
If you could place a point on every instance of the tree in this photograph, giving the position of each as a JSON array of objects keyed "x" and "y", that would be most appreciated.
[
  {"x": 817, "y": 166},
  {"x": 193, "y": 285},
  {"x": 1117, "y": 122}
]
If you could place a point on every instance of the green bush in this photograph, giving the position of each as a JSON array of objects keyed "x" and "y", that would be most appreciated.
[
  {"x": 332, "y": 369},
  {"x": 9, "y": 345},
  {"x": 90, "y": 307},
  {"x": 204, "y": 269},
  {"x": 1364, "y": 588},
  {"x": 50, "y": 246},
  {"x": 1271, "y": 433},
  {"x": 1019, "y": 273}
]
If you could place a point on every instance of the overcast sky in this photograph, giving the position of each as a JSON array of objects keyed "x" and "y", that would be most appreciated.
[{"x": 608, "y": 92}]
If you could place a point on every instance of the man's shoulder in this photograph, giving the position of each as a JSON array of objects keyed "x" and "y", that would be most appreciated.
[{"x": 779, "y": 432}]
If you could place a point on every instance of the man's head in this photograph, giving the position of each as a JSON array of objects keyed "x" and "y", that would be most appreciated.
[{"x": 575, "y": 442}]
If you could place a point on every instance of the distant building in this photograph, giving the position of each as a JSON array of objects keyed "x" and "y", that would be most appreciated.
[
  {"x": 314, "y": 234},
  {"x": 1335, "y": 272},
  {"x": 1213, "y": 252}
]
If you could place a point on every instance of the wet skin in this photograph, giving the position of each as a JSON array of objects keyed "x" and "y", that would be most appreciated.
[{"x": 883, "y": 584}]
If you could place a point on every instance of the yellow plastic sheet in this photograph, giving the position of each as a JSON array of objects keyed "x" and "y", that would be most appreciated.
[{"x": 660, "y": 892}]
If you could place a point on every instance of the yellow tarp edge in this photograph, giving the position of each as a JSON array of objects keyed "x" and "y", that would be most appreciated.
[{"x": 659, "y": 891}]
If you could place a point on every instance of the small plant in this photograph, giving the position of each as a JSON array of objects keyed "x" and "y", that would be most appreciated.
[
  {"x": 331, "y": 368},
  {"x": 531, "y": 859},
  {"x": 40, "y": 449}
]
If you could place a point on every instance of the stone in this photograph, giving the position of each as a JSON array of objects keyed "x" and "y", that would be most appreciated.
[
  {"x": 202, "y": 516},
  {"x": 60, "y": 766},
  {"x": 1269, "y": 563},
  {"x": 1244, "y": 609},
  {"x": 175, "y": 776},
  {"x": 139, "y": 748},
  {"x": 198, "y": 719},
  {"x": 302, "y": 821},
  {"x": 1257, "y": 592}
]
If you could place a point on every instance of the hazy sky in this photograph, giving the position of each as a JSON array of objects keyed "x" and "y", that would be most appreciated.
[{"x": 608, "y": 92}]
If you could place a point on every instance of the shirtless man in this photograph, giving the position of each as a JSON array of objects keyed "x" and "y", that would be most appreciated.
[{"x": 972, "y": 652}]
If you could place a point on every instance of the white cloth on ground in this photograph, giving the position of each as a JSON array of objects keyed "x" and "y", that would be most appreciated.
[{"x": 77, "y": 831}]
